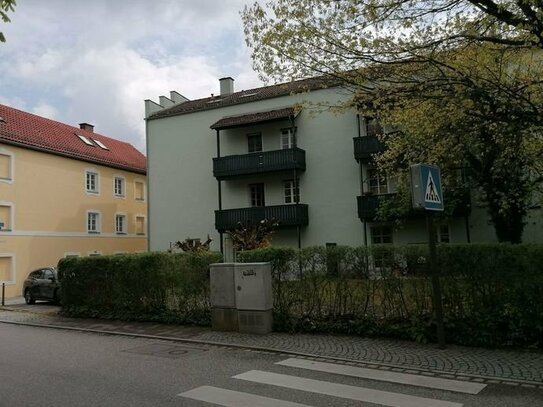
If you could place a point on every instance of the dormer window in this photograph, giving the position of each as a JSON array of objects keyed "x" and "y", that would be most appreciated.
[
  {"x": 100, "y": 144},
  {"x": 85, "y": 140}
]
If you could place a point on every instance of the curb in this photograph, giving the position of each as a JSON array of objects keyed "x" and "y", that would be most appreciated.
[{"x": 311, "y": 356}]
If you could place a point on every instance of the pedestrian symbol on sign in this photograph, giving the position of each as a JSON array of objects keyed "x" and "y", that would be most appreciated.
[
  {"x": 431, "y": 194},
  {"x": 426, "y": 187}
]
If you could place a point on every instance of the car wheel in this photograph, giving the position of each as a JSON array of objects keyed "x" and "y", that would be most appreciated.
[{"x": 28, "y": 297}]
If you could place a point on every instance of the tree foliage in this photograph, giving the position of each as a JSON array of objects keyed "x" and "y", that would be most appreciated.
[
  {"x": 6, "y": 6},
  {"x": 461, "y": 79}
]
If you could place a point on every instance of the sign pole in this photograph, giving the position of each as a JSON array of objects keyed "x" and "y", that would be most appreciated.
[
  {"x": 436, "y": 285},
  {"x": 426, "y": 193}
]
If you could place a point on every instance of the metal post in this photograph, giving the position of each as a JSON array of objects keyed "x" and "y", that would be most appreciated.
[
  {"x": 436, "y": 286},
  {"x": 3, "y": 293}
]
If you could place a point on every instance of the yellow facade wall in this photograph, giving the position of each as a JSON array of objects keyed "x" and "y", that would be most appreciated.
[{"x": 48, "y": 205}]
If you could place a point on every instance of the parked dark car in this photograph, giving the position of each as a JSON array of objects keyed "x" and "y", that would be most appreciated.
[{"x": 42, "y": 284}]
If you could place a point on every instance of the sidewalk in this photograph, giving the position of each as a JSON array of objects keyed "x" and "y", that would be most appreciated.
[{"x": 493, "y": 366}]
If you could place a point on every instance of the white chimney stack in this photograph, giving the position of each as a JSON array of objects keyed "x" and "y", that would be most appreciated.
[
  {"x": 86, "y": 126},
  {"x": 227, "y": 86}
]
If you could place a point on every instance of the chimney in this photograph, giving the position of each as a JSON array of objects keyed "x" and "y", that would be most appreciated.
[
  {"x": 227, "y": 86},
  {"x": 86, "y": 126}
]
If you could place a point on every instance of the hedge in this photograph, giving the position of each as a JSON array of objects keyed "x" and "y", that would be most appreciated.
[
  {"x": 167, "y": 287},
  {"x": 492, "y": 293}
]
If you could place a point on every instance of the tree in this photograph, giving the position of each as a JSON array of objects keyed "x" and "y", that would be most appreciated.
[
  {"x": 461, "y": 79},
  {"x": 6, "y": 6}
]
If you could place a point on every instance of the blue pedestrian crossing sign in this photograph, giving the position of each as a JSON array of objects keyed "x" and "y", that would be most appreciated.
[{"x": 426, "y": 189}]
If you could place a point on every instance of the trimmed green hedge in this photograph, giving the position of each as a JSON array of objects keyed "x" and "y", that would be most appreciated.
[
  {"x": 163, "y": 287},
  {"x": 492, "y": 293}
]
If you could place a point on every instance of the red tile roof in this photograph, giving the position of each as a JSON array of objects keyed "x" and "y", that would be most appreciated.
[
  {"x": 31, "y": 131},
  {"x": 251, "y": 118}
]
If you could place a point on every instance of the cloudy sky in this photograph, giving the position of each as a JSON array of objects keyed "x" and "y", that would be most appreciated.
[{"x": 96, "y": 61}]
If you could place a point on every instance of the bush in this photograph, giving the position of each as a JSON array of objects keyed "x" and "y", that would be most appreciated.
[
  {"x": 168, "y": 287},
  {"x": 491, "y": 292}
]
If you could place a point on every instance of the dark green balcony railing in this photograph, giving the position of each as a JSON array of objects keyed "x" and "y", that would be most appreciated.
[
  {"x": 284, "y": 215},
  {"x": 234, "y": 166},
  {"x": 369, "y": 204},
  {"x": 365, "y": 147}
]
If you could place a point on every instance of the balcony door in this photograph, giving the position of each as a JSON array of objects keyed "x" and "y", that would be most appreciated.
[{"x": 256, "y": 192}]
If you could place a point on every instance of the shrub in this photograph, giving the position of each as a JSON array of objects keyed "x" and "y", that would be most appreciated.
[
  {"x": 149, "y": 286},
  {"x": 491, "y": 292}
]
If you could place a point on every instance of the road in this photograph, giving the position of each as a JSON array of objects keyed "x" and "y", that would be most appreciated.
[{"x": 47, "y": 367}]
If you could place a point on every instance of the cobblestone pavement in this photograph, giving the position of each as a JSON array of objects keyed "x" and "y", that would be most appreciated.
[{"x": 507, "y": 366}]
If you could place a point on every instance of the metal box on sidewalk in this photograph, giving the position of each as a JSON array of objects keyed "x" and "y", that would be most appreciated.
[
  {"x": 224, "y": 315},
  {"x": 241, "y": 297}
]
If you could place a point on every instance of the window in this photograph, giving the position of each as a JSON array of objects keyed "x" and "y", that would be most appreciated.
[
  {"x": 257, "y": 194},
  {"x": 95, "y": 253},
  {"x": 71, "y": 254},
  {"x": 292, "y": 191},
  {"x": 119, "y": 186},
  {"x": 85, "y": 140},
  {"x": 92, "y": 182},
  {"x": 100, "y": 144},
  {"x": 254, "y": 142},
  {"x": 287, "y": 138},
  {"x": 6, "y": 217},
  {"x": 373, "y": 127},
  {"x": 377, "y": 182},
  {"x": 6, "y": 167},
  {"x": 139, "y": 190},
  {"x": 120, "y": 224},
  {"x": 48, "y": 274},
  {"x": 93, "y": 222},
  {"x": 7, "y": 268},
  {"x": 381, "y": 234},
  {"x": 140, "y": 225},
  {"x": 442, "y": 234}
]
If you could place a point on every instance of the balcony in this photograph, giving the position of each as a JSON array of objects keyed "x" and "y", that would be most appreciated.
[
  {"x": 365, "y": 147},
  {"x": 369, "y": 204},
  {"x": 285, "y": 215},
  {"x": 235, "y": 166}
]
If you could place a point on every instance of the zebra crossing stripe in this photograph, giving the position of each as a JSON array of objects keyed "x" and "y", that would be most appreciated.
[
  {"x": 231, "y": 398},
  {"x": 384, "y": 398},
  {"x": 386, "y": 376}
]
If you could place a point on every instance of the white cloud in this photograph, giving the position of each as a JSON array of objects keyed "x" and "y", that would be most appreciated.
[{"x": 97, "y": 61}]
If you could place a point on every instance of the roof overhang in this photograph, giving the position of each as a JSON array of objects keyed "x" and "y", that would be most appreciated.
[{"x": 248, "y": 119}]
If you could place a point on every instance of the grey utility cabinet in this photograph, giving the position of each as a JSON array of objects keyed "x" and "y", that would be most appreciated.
[{"x": 241, "y": 297}]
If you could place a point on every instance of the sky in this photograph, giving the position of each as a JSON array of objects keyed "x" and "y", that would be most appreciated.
[{"x": 97, "y": 61}]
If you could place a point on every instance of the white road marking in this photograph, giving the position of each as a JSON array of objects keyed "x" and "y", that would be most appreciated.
[
  {"x": 230, "y": 398},
  {"x": 382, "y": 375},
  {"x": 384, "y": 398}
]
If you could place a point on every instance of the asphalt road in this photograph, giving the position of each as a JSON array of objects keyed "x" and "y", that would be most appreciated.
[{"x": 47, "y": 367}]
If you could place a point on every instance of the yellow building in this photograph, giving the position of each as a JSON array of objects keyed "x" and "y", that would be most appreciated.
[{"x": 65, "y": 191}]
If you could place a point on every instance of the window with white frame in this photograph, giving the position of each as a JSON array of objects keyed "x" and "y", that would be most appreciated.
[
  {"x": 292, "y": 191},
  {"x": 92, "y": 182},
  {"x": 287, "y": 138},
  {"x": 377, "y": 182},
  {"x": 6, "y": 216},
  {"x": 93, "y": 222},
  {"x": 140, "y": 225},
  {"x": 6, "y": 167},
  {"x": 443, "y": 234},
  {"x": 381, "y": 234},
  {"x": 119, "y": 186},
  {"x": 94, "y": 253},
  {"x": 139, "y": 190},
  {"x": 373, "y": 127},
  {"x": 254, "y": 142},
  {"x": 120, "y": 224},
  {"x": 256, "y": 192}
]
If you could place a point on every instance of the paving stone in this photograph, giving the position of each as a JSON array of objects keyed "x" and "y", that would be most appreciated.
[{"x": 455, "y": 360}]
